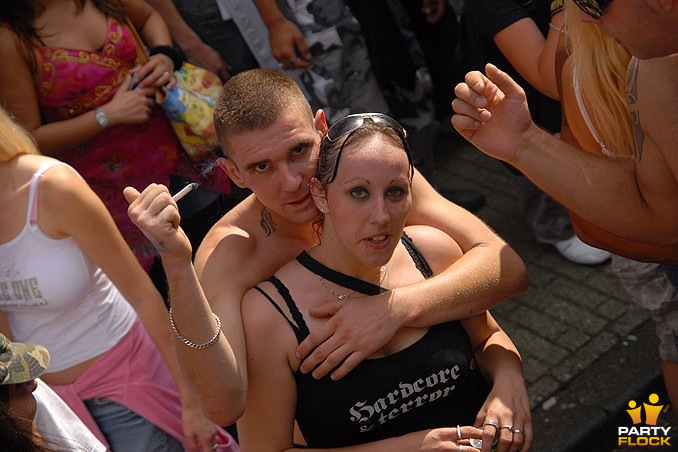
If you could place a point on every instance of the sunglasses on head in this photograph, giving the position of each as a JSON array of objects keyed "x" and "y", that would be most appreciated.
[
  {"x": 349, "y": 124},
  {"x": 593, "y": 8}
]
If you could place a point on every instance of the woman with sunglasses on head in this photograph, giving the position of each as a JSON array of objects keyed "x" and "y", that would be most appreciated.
[{"x": 424, "y": 389}]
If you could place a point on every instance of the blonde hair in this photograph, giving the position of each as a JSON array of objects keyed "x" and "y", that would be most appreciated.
[
  {"x": 14, "y": 139},
  {"x": 601, "y": 65}
]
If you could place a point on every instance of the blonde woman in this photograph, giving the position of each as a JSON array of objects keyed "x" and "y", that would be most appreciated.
[
  {"x": 70, "y": 283},
  {"x": 636, "y": 199},
  {"x": 595, "y": 117}
]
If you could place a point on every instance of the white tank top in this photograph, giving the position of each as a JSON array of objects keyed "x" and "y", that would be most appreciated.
[{"x": 56, "y": 296}]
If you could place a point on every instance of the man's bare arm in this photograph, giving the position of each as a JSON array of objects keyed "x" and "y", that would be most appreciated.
[
  {"x": 637, "y": 201},
  {"x": 488, "y": 273},
  {"x": 217, "y": 372}
]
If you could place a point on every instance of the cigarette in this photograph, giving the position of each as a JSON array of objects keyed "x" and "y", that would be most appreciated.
[{"x": 186, "y": 190}]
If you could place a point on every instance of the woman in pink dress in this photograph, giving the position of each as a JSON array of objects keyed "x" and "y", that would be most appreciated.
[{"x": 75, "y": 85}]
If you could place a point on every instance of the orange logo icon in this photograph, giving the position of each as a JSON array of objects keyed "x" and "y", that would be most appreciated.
[{"x": 652, "y": 410}]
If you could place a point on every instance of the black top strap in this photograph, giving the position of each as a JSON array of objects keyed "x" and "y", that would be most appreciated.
[
  {"x": 416, "y": 256},
  {"x": 342, "y": 279},
  {"x": 300, "y": 329}
]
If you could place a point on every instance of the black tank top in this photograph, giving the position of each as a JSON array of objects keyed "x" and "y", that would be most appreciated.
[{"x": 427, "y": 385}]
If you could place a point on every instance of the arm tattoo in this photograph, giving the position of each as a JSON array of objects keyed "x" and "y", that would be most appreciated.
[
  {"x": 266, "y": 222},
  {"x": 632, "y": 103}
]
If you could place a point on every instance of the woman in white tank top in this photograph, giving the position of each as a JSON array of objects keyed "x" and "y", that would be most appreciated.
[{"x": 69, "y": 281}]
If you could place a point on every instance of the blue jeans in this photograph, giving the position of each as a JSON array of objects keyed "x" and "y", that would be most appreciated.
[{"x": 126, "y": 431}]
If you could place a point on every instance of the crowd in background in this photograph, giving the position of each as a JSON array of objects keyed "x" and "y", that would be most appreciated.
[{"x": 79, "y": 122}]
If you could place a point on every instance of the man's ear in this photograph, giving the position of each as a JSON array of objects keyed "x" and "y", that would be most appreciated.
[
  {"x": 321, "y": 122},
  {"x": 318, "y": 194},
  {"x": 232, "y": 170}
]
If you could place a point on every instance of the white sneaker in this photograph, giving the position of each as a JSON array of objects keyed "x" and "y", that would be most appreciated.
[{"x": 575, "y": 250}]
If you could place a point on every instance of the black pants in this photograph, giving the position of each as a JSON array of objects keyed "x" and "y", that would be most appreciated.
[{"x": 389, "y": 52}]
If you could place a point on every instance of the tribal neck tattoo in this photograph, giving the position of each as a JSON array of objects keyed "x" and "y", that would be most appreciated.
[{"x": 266, "y": 222}]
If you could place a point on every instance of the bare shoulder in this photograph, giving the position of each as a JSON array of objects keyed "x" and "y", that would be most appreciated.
[
  {"x": 657, "y": 90},
  {"x": 57, "y": 183},
  {"x": 267, "y": 333},
  {"x": 237, "y": 252},
  {"x": 227, "y": 247},
  {"x": 15, "y": 54},
  {"x": 255, "y": 310},
  {"x": 258, "y": 310},
  {"x": 657, "y": 97},
  {"x": 63, "y": 187},
  {"x": 9, "y": 42},
  {"x": 57, "y": 174}
]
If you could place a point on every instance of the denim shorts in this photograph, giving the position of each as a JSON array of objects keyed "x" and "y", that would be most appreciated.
[{"x": 126, "y": 431}]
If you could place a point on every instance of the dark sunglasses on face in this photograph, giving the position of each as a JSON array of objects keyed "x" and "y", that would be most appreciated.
[
  {"x": 593, "y": 8},
  {"x": 349, "y": 124}
]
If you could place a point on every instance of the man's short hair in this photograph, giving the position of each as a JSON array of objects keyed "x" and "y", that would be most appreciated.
[{"x": 256, "y": 99}]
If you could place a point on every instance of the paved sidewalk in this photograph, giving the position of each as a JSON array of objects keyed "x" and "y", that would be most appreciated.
[{"x": 587, "y": 349}]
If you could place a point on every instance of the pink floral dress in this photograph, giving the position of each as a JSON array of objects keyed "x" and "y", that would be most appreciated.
[{"x": 71, "y": 82}]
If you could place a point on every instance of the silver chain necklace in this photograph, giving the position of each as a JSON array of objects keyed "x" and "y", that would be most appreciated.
[{"x": 341, "y": 297}]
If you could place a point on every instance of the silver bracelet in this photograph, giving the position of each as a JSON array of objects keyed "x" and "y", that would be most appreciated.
[
  {"x": 555, "y": 27},
  {"x": 190, "y": 343}
]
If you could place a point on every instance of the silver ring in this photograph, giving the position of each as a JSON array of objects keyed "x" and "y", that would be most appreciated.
[
  {"x": 461, "y": 448},
  {"x": 214, "y": 447},
  {"x": 477, "y": 443},
  {"x": 508, "y": 427},
  {"x": 491, "y": 422},
  {"x": 458, "y": 432},
  {"x": 515, "y": 430}
]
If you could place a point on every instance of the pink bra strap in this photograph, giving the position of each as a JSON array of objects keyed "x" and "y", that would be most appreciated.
[{"x": 34, "y": 209}]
